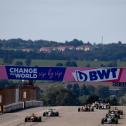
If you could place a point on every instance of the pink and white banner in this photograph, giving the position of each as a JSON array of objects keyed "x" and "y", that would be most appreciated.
[
  {"x": 95, "y": 74},
  {"x": 106, "y": 74}
]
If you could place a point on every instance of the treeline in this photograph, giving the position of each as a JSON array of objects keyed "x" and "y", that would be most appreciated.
[
  {"x": 79, "y": 95},
  {"x": 74, "y": 94},
  {"x": 20, "y": 43},
  {"x": 11, "y": 49}
]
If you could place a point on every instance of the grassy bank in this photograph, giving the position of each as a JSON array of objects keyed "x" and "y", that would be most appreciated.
[{"x": 80, "y": 63}]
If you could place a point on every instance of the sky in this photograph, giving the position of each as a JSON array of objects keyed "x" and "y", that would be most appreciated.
[{"x": 99, "y": 21}]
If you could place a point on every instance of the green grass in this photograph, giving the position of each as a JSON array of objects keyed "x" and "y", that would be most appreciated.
[
  {"x": 80, "y": 63},
  {"x": 92, "y": 63},
  {"x": 47, "y": 62},
  {"x": 122, "y": 63}
]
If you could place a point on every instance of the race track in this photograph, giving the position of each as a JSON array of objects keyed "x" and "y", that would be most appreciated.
[{"x": 69, "y": 116}]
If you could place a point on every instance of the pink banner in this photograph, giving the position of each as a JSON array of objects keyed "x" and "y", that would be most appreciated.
[
  {"x": 3, "y": 73},
  {"x": 95, "y": 74},
  {"x": 106, "y": 74}
]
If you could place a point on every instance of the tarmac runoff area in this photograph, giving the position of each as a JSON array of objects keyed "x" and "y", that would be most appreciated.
[{"x": 69, "y": 116}]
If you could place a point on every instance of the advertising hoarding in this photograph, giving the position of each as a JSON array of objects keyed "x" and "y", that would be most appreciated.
[{"x": 106, "y": 74}]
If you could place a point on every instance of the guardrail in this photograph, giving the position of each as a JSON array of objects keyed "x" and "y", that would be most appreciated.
[
  {"x": 21, "y": 105},
  {"x": 33, "y": 103},
  {"x": 13, "y": 107}
]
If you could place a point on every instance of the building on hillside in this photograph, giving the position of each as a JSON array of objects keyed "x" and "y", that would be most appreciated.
[
  {"x": 26, "y": 50},
  {"x": 85, "y": 47},
  {"x": 61, "y": 48},
  {"x": 71, "y": 47},
  {"x": 45, "y": 49}
]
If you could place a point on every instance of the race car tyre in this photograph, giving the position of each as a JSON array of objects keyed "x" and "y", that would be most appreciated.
[
  {"x": 39, "y": 119},
  {"x": 116, "y": 121},
  {"x": 57, "y": 114},
  {"x": 45, "y": 114},
  {"x": 78, "y": 109},
  {"x": 102, "y": 121},
  {"x": 25, "y": 119}
]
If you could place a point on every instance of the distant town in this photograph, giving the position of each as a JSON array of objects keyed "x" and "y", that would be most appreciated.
[{"x": 75, "y": 50}]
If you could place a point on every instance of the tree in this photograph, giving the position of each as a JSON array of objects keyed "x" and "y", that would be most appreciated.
[
  {"x": 113, "y": 100},
  {"x": 28, "y": 62},
  {"x": 6, "y": 83},
  {"x": 119, "y": 42},
  {"x": 103, "y": 91},
  {"x": 8, "y": 59},
  {"x": 88, "y": 65},
  {"x": 1, "y": 45},
  {"x": 91, "y": 89},
  {"x": 58, "y": 95},
  {"x": 74, "y": 42},
  {"x": 104, "y": 52},
  {"x": 59, "y": 64},
  {"x": 92, "y": 98},
  {"x": 83, "y": 99},
  {"x": 19, "y": 63},
  {"x": 71, "y": 64},
  {"x": 122, "y": 100},
  {"x": 102, "y": 65},
  {"x": 76, "y": 90},
  {"x": 84, "y": 90},
  {"x": 113, "y": 64}
]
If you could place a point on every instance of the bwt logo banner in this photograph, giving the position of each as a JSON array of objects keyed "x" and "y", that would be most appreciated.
[{"x": 101, "y": 74}]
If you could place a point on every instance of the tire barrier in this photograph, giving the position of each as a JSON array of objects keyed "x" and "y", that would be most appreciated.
[{"x": 21, "y": 105}]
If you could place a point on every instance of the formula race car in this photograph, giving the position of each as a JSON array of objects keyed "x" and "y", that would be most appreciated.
[
  {"x": 86, "y": 109},
  {"x": 102, "y": 105},
  {"x": 116, "y": 110},
  {"x": 51, "y": 113},
  {"x": 113, "y": 115},
  {"x": 33, "y": 118},
  {"x": 109, "y": 120}
]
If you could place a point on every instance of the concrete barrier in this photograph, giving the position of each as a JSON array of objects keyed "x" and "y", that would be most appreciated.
[{"x": 21, "y": 105}]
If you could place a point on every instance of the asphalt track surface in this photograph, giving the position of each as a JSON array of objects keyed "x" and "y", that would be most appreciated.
[{"x": 69, "y": 116}]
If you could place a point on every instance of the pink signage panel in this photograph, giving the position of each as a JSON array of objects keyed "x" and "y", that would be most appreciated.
[
  {"x": 3, "y": 73},
  {"x": 105, "y": 74}
]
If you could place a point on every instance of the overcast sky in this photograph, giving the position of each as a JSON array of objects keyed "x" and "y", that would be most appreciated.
[{"x": 62, "y": 20}]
